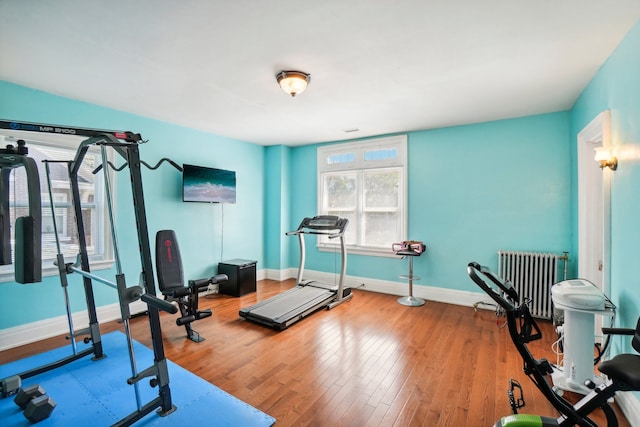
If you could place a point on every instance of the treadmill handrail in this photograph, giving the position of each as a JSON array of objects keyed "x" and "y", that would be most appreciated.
[
  {"x": 326, "y": 233},
  {"x": 322, "y": 224}
]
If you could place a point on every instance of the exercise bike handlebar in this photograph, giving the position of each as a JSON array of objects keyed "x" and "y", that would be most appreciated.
[{"x": 475, "y": 270}]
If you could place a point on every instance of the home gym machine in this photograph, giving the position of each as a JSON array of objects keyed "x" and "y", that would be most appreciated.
[
  {"x": 623, "y": 370},
  {"x": 125, "y": 144},
  {"x": 28, "y": 240},
  {"x": 281, "y": 311}
]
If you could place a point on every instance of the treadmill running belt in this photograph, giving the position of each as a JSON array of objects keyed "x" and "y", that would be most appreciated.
[{"x": 290, "y": 305}]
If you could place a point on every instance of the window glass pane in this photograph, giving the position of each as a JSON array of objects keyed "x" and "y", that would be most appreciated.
[
  {"x": 63, "y": 223},
  {"x": 341, "y": 199},
  {"x": 340, "y": 191},
  {"x": 351, "y": 233},
  {"x": 90, "y": 186},
  {"x": 341, "y": 158},
  {"x": 381, "y": 228},
  {"x": 381, "y": 188},
  {"x": 381, "y": 154}
]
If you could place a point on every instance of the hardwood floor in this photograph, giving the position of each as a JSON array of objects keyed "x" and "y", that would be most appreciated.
[{"x": 368, "y": 362}]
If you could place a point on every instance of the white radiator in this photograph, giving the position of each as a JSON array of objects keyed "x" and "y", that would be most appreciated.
[{"x": 532, "y": 274}]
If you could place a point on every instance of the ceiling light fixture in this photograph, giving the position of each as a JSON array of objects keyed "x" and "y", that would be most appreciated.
[{"x": 293, "y": 82}]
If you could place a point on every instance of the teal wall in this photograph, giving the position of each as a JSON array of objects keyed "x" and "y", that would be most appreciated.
[
  {"x": 206, "y": 233},
  {"x": 616, "y": 87},
  {"x": 276, "y": 209},
  {"x": 473, "y": 190}
]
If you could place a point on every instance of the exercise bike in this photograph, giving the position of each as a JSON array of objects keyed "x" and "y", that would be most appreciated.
[{"x": 623, "y": 370}]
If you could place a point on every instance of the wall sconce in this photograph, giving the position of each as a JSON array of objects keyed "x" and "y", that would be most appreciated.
[
  {"x": 293, "y": 82},
  {"x": 606, "y": 159}
]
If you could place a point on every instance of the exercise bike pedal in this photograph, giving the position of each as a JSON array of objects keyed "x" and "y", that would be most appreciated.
[{"x": 515, "y": 402}]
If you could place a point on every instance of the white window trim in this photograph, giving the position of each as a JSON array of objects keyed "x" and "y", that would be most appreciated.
[{"x": 398, "y": 141}]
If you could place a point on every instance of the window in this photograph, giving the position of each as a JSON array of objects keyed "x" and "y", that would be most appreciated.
[
  {"x": 365, "y": 182},
  {"x": 92, "y": 201}
]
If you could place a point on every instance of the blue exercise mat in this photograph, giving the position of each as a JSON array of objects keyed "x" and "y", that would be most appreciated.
[{"x": 96, "y": 393}]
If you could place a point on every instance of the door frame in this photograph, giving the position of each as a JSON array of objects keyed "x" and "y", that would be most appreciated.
[{"x": 596, "y": 133}]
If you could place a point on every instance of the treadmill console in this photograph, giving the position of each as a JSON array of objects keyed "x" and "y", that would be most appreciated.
[{"x": 324, "y": 222}]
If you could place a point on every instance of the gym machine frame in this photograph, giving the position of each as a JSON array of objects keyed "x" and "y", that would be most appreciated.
[{"x": 126, "y": 144}]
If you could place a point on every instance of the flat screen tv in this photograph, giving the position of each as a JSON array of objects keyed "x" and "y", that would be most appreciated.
[{"x": 208, "y": 185}]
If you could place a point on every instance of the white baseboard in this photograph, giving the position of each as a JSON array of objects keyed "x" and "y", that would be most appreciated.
[
  {"x": 630, "y": 406},
  {"x": 429, "y": 293},
  {"x": 36, "y": 331},
  {"x": 280, "y": 275}
]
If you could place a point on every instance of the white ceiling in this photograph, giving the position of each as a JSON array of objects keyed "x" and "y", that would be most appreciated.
[{"x": 380, "y": 66}]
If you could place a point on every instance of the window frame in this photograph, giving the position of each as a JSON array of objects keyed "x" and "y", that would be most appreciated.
[
  {"x": 353, "y": 154},
  {"x": 103, "y": 259}
]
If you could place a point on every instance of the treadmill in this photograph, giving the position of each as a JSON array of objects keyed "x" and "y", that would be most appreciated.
[{"x": 282, "y": 310}]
